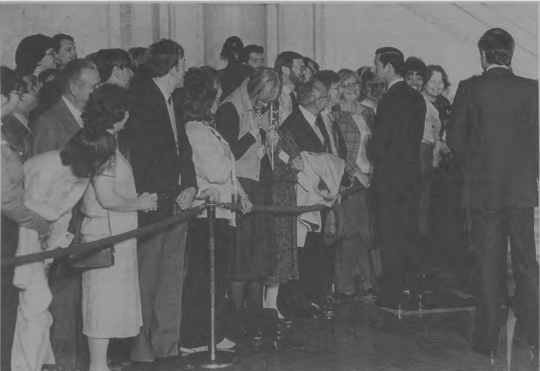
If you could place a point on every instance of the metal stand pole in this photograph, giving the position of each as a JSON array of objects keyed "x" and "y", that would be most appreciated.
[{"x": 213, "y": 358}]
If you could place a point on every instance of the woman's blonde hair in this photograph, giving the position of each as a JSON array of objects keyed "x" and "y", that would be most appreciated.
[{"x": 264, "y": 84}]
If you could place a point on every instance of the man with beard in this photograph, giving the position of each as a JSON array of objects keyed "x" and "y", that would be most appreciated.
[{"x": 290, "y": 67}]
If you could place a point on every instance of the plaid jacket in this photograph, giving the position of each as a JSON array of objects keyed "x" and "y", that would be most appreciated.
[{"x": 351, "y": 135}]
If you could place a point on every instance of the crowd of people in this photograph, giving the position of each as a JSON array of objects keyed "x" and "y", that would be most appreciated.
[{"x": 99, "y": 146}]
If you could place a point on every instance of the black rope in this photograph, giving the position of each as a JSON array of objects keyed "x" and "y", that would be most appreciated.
[{"x": 85, "y": 248}]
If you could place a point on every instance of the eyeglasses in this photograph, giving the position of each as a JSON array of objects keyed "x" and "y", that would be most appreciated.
[
  {"x": 351, "y": 85},
  {"x": 326, "y": 96}
]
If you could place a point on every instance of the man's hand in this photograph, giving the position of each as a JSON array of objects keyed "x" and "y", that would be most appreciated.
[
  {"x": 185, "y": 198},
  {"x": 298, "y": 164}
]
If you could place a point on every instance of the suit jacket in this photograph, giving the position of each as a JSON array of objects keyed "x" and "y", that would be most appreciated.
[
  {"x": 394, "y": 147},
  {"x": 493, "y": 132},
  {"x": 157, "y": 165},
  {"x": 54, "y": 128},
  {"x": 303, "y": 134},
  {"x": 18, "y": 136}
]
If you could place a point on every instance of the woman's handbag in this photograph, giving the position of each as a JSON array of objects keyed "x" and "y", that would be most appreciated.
[{"x": 95, "y": 259}]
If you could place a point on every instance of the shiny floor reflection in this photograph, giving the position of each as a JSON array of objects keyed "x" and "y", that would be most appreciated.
[{"x": 363, "y": 337}]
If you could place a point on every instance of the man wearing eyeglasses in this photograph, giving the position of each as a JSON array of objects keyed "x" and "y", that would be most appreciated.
[
  {"x": 394, "y": 151},
  {"x": 290, "y": 67}
]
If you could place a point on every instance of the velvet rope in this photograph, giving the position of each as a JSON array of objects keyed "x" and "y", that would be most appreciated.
[{"x": 106, "y": 242}]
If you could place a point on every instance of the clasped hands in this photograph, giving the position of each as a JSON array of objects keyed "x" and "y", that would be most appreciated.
[{"x": 213, "y": 195}]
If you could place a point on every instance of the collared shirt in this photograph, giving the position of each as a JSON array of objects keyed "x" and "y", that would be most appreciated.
[
  {"x": 285, "y": 103},
  {"x": 368, "y": 103},
  {"x": 170, "y": 108},
  {"x": 497, "y": 66},
  {"x": 74, "y": 111},
  {"x": 22, "y": 119},
  {"x": 394, "y": 82},
  {"x": 327, "y": 119},
  {"x": 311, "y": 120}
]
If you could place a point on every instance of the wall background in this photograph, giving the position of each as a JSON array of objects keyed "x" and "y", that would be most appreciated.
[{"x": 336, "y": 35}]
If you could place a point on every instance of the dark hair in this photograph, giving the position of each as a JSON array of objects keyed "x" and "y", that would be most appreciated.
[
  {"x": 367, "y": 76},
  {"x": 49, "y": 75},
  {"x": 49, "y": 94},
  {"x": 10, "y": 81},
  {"x": 30, "y": 52},
  {"x": 327, "y": 77},
  {"x": 87, "y": 151},
  {"x": 306, "y": 90},
  {"x": 210, "y": 72},
  {"x": 106, "y": 106},
  {"x": 285, "y": 59},
  {"x": 90, "y": 57},
  {"x": 498, "y": 46},
  {"x": 162, "y": 56},
  {"x": 360, "y": 72},
  {"x": 57, "y": 40},
  {"x": 233, "y": 45},
  {"x": 393, "y": 56},
  {"x": 244, "y": 57},
  {"x": 72, "y": 71},
  {"x": 136, "y": 53},
  {"x": 308, "y": 61},
  {"x": 414, "y": 64},
  {"x": 199, "y": 95},
  {"x": 428, "y": 72},
  {"x": 106, "y": 59}
]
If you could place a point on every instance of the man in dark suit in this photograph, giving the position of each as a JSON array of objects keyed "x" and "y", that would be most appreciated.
[
  {"x": 394, "y": 150},
  {"x": 161, "y": 158},
  {"x": 290, "y": 67},
  {"x": 494, "y": 134},
  {"x": 56, "y": 126},
  {"x": 52, "y": 130},
  {"x": 316, "y": 269}
]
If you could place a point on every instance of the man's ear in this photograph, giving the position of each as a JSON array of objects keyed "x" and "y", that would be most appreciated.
[{"x": 285, "y": 70}]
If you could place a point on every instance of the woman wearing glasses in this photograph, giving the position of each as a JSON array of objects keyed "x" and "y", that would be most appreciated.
[{"x": 353, "y": 254}]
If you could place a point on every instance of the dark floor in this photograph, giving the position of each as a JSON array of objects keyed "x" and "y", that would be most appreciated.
[{"x": 363, "y": 337}]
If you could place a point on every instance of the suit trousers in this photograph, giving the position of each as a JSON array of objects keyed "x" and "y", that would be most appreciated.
[
  {"x": 161, "y": 279},
  {"x": 353, "y": 249},
  {"x": 491, "y": 230},
  {"x": 396, "y": 225}
]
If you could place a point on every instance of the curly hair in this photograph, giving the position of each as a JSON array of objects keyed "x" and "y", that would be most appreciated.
[
  {"x": 106, "y": 106},
  {"x": 199, "y": 94},
  {"x": 428, "y": 72}
]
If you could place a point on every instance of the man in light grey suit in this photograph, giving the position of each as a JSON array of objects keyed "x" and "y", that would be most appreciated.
[{"x": 56, "y": 126}]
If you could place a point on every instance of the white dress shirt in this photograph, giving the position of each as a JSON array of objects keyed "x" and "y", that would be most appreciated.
[{"x": 311, "y": 120}]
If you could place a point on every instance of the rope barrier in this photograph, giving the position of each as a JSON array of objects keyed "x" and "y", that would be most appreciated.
[{"x": 105, "y": 242}]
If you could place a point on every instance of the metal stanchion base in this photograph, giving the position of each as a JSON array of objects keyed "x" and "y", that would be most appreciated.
[{"x": 202, "y": 359}]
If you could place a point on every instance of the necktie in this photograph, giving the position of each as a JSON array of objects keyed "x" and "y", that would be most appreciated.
[
  {"x": 294, "y": 101},
  {"x": 320, "y": 124},
  {"x": 334, "y": 132}
]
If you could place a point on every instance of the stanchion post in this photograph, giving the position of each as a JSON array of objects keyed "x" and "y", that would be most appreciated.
[{"x": 212, "y": 358}]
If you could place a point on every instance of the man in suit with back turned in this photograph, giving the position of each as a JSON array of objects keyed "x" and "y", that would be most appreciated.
[
  {"x": 161, "y": 158},
  {"x": 494, "y": 134},
  {"x": 395, "y": 152}
]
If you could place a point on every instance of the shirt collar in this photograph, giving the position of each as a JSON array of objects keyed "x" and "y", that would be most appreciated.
[
  {"x": 496, "y": 66},
  {"x": 394, "y": 82},
  {"x": 163, "y": 90},
  {"x": 308, "y": 116},
  {"x": 22, "y": 119},
  {"x": 74, "y": 111},
  {"x": 286, "y": 89}
]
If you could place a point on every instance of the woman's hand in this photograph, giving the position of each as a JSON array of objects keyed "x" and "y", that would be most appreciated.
[
  {"x": 246, "y": 204},
  {"x": 298, "y": 164},
  {"x": 210, "y": 193},
  {"x": 148, "y": 201},
  {"x": 273, "y": 138}
]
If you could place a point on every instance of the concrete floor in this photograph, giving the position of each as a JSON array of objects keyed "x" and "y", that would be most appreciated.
[{"x": 362, "y": 337}]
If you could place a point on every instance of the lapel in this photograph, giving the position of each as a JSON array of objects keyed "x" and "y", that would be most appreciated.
[
  {"x": 65, "y": 117},
  {"x": 307, "y": 129},
  {"x": 160, "y": 108}
]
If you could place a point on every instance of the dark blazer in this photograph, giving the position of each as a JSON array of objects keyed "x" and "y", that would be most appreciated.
[
  {"x": 54, "y": 128},
  {"x": 18, "y": 136},
  {"x": 493, "y": 132},
  {"x": 394, "y": 148},
  {"x": 302, "y": 132},
  {"x": 156, "y": 164}
]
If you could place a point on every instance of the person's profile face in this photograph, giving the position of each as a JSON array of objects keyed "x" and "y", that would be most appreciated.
[
  {"x": 67, "y": 52},
  {"x": 379, "y": 69},
  {"x": 297, "y": 71}
]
